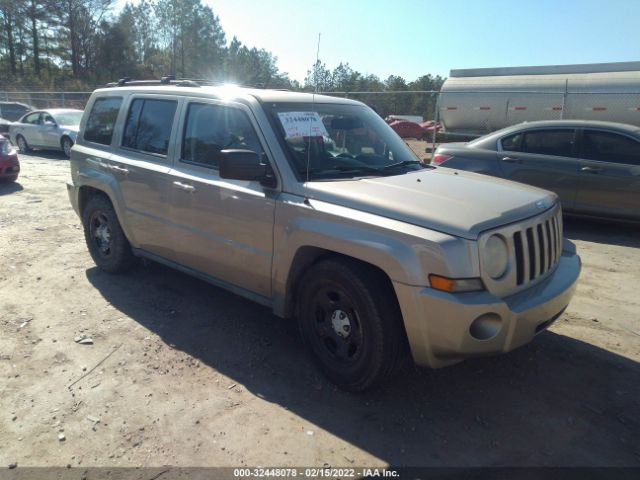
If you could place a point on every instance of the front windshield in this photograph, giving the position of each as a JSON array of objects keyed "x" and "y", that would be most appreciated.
[
  {"x": 338, "y": 141},
  {"x": 68, "y": 118}
]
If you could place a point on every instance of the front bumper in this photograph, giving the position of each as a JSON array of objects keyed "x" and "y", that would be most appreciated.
[{"x": 444, "y": 328}]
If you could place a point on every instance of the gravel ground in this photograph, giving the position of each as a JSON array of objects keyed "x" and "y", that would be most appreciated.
[{"x": 186, "y": 374}]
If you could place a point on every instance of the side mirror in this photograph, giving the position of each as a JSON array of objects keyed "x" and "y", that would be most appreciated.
[
  {"x": 49, "y": 123},
  {"x": 244, "y": 165}
]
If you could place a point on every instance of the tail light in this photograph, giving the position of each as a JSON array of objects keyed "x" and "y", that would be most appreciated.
[{"x": 439, "y": 158}]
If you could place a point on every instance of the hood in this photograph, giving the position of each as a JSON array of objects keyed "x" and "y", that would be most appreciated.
[
  {"x": 458, "y": 203},
  {"x": 71, "y": 128}
]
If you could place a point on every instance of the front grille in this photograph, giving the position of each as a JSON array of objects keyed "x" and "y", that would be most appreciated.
[{"x": 537, "y": 249}]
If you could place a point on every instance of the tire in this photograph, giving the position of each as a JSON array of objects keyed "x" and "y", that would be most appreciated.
[
  {"x": 22, "y": 144},
  {"x": 351, "y": 323},
  {"x": 66, "y": 145},
  {"x": 107, "y": 243}
]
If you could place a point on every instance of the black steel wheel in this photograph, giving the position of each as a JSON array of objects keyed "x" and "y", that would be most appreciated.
[
  {"x": 349, "y": 318},
  {"x": 105, "y": 239}
]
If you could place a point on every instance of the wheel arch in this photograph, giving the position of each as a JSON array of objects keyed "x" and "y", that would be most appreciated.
[
  {"x": 306, "y": 257},
  {"x": 63, "y": 136}
]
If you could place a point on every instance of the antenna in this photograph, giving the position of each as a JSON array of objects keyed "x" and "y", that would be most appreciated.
[{"x": 313, "y": 109}]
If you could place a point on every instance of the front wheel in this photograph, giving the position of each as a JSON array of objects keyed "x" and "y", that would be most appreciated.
[
  {"x": 349, "y": 318},
  {"x": 105, "y": 239},
  {"x": 67, "y": 143}
]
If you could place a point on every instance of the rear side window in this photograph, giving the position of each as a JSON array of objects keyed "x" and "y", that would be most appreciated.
[
  {"x": 148, "y": 126},
  {"x": 549, "y": 142},
  {"x": 211, "y": 128},
  {"x": 102, "y": 120},
  {"x": 610, "y": 147},
  {"x": 32, "y": 119}
]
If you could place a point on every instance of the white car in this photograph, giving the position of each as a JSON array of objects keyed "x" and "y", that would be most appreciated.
[{"x": 54, "y": 129}]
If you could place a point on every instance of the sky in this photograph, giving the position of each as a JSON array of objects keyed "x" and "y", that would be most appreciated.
[{"x": 411, "y": 38}]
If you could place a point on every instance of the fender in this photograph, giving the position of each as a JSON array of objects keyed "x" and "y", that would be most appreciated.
[
  {"x": 90, "y": 175},
  {"x": 405, "y": 253}
]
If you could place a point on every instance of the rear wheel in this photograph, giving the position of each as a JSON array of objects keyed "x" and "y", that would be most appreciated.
[
  {"x": 66, "y": 144},
  {"x": 105, "y": 239},
  {"x": 22, "y": 144},
  {"x": 350, "y": 320}
]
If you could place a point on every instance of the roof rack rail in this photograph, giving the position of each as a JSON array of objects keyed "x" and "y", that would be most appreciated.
[
  {"x": 171, "y": 80},
  {"x": 165, "y": 80}
]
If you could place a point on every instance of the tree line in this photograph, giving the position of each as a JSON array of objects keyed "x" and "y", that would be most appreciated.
[{"x": 79, "y": 44}]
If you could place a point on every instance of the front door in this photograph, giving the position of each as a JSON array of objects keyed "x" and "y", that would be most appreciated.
[
  {"x": 609, "y": 175},
  {"x": 141, "y": 164},
  {"x": 49, "y": 131},
  {"x": 225, "y": 227}
]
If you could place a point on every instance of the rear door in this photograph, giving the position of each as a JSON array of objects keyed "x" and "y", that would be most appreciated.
[
  {"x": 141, "y": 163},
  {"x": 28, "y": 128},
  {"x": 609, "y": 174},
  {"x": 545, "y": 158},
  {"x": 225, "y": 227}
]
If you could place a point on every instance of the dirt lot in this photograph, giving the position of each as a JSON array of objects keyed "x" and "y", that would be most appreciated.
[{"x": 186, "y": 374}]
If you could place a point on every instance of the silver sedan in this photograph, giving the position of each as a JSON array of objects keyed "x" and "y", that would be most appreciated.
[{"x": 54, "y": 129}]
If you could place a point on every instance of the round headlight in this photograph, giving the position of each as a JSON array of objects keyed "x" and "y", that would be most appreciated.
[{"x": 495, "y": 257}]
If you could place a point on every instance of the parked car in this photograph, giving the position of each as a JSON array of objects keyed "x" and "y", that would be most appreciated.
[
  {"x": 406, "y": 129},
  {"x": 9, "y": 164},
  {"x": 279, "y": 197},
  {"x": 12, "y": 111},
  {"x": 4, "y": 128},
  {"x": 594, "y": 167},
  {"x": 54, "y": 129}
]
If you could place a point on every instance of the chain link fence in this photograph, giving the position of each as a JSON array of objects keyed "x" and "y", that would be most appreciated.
[{"x": 42, "y": 100}]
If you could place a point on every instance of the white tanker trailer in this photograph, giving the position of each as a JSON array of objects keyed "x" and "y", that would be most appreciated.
[{"x": 478, "y": 101}]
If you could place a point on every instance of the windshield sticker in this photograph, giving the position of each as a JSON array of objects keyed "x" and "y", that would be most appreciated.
[{"x": 302, "y": 124}]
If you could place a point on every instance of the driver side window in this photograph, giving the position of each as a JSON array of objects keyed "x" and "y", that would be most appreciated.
[{"x": 211, "y": 128}]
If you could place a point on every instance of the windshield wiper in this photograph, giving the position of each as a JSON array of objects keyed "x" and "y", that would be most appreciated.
[{"x": 401, "y": 164}]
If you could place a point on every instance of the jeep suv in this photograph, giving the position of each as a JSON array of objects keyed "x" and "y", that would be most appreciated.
[{"x": 313, "y": 206}]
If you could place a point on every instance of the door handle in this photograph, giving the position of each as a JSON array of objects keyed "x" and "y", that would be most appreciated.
[
  {"x": 511, "y": 160},
  {"x": 591, "y": 169},
  {"x": 118, "y": 169},
  {"x": 184, "y": 186}
]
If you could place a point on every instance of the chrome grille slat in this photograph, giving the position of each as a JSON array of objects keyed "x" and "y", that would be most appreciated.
[
  {"x": 554, "y": 242},
  {"x": 547, "y": 236},
  {"x": 533, "y": 253}
]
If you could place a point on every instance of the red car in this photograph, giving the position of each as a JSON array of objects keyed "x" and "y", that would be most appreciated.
[
  {"x": 9, "y": 164},
  {"x": 407, "y": 129}
]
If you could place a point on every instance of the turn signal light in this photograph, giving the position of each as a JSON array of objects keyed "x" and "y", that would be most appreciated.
[{"x": 455, "y": 285}]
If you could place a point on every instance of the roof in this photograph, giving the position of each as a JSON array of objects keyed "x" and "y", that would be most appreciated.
[
  {"x": 231, "y": 92},
  {"x": 579, "y": 124},
  {"x": 620, "y": 127},
  {"x": 548, "y": 69},
  {"x": 59, "y": 110}
]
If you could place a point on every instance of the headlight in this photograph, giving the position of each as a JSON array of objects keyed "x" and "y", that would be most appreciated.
[{"x": 495, "y": 257}]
